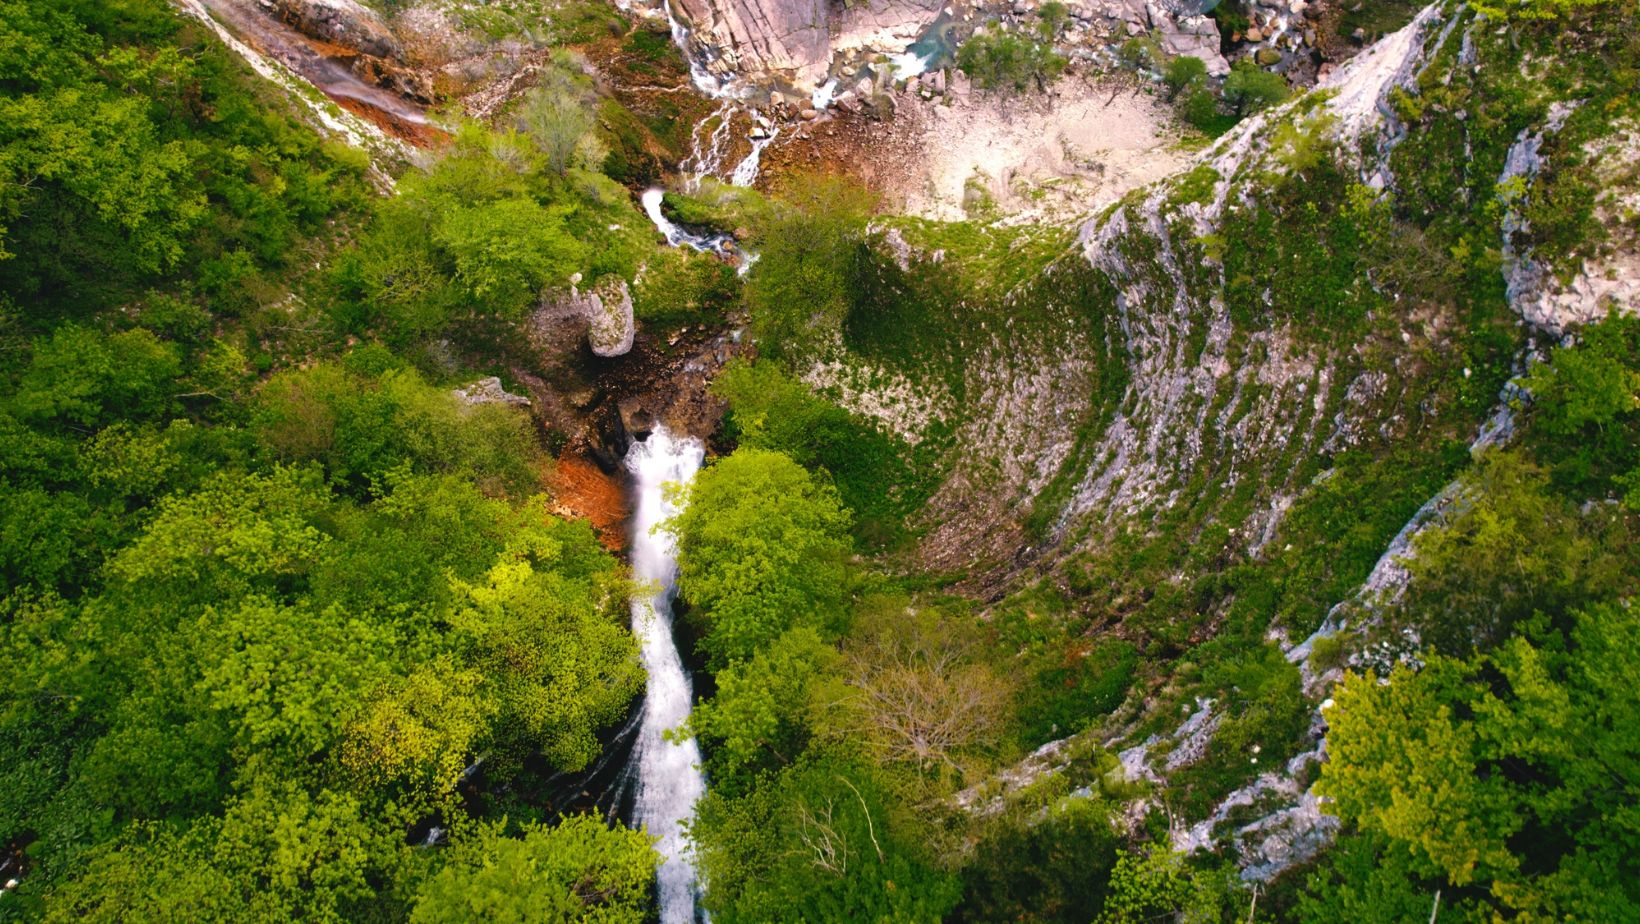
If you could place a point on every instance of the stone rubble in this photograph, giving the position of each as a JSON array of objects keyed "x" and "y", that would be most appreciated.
[{"x": 490, "y": 391}]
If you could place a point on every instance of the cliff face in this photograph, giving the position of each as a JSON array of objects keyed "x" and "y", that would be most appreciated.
[
  {"x": 1209, "y": 338},
  {"x": 794, "y": 41},
  {"x": 1243, "y": 390},
  {"x": 799, "y": 44},
  {"x": 1127, "y": 379},
  {"x": 736, "y": 36}
]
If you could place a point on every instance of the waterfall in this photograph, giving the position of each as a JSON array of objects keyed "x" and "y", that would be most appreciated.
[
  {"x": 682, "y": 237},
  {"x": 709, "y": 149},
  {"x": 669, "y": 776},
  {"x": 745, "y": 173}
]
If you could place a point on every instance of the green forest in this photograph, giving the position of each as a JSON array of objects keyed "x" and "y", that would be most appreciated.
[{"x": 292, "y": 631}]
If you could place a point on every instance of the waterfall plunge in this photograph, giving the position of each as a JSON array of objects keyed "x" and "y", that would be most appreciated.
[{"x": 669, "y": 777}]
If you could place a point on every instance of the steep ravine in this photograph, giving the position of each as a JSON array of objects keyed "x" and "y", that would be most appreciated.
[
  {"x": 1152, "y": 388},
  {"x": 1178, "y": 410},
  {"x": 1205, "y": 394}
]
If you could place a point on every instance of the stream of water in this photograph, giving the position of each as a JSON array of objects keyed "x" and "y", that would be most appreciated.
[
  {"x": 273, "y": 39},
  {"x": 668, "y": 775}
]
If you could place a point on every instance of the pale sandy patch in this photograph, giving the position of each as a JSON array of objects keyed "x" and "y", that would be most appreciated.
[{"x": 1071, "y": 151}]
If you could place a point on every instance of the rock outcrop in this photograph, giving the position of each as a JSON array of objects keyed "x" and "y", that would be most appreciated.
[
  {"x": 346, "y": 23},
  {"x": 1183, "y": 33},
  {"x": 1554, "y": 298},
  {"x": 611, "y": 325},
  {"x": 603, "y": 311},
  {"x": 490, "y": 391},
  {"x": 786, "y": 37},
  {"x": 251, "y": 35},
  {"x": 802, "y": 43},
  {"x": 1208, "y": 404}
]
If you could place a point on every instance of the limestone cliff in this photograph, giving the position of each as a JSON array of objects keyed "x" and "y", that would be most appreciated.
[
  {"x": 799, "y": 44},
  {"x": 1158, "y": 423}
]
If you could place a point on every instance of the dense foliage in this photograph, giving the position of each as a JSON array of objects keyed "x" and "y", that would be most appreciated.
[
  {"x": 800, "y": 293},
  {"x": 1511, "y": 776},
  {"x": 1000, "y": 58},
  {"x": 263, "y": 632},
  {"x": 136, "y": 155}
]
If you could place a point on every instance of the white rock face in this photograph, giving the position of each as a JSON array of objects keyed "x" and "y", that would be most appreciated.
[
  {"x": 800, "y": 42},
  {"x": 489, "y": 391},
  {"x": 785, "y": 37},
  {"x": 328, "y": 119},
  {"x": 1608, "y": 280},
  {"x": 1195, "y": 36},
  {"x": 606, "y": 309}
]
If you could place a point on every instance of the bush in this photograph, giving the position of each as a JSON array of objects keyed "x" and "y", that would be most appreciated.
[
  {"x": 84, "y": 377},
  {"x": 1183, "y": 72},
  {"x": 1200, "y": 108},
  {"x": 559, "y": 115},
  {"x": 364, "y": 428},
  {"x": 1513, "y": 552},
  {"x": 1044, "y": 869},
  {"x": 1265, "y": 717},
  {"x": 1066, "y": 697},
  {"x": 818, "y": 842},
  {"x": 135, "y": 156},
  {"x": 799, "y": 290},
  {"x": 1250, "y": 88},
  {"x": 679, "y": 287},
  {"x": 873, "y": 469},
  {"x": 994, "y": 60},
  {"x": 1139, "y": 53},
  {"x": 761, "y": 547}
]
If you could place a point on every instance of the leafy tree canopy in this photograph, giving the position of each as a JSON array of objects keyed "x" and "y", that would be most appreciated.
[
  {"x": 1513, "y": 773},
  {"x": 577, "y": 871},
  {"x": 762, "y": 547}
]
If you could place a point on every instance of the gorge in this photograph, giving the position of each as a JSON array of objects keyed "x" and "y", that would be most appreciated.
[{"x": 774, "y": 460}]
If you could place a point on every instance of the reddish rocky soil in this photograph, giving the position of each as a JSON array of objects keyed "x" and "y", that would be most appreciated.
[{"x": 580, "y": 490}]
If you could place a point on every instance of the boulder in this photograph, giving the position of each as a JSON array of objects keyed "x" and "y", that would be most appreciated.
[
  {"x": 1194, "y": 36},
  {"x": 637, "y": 420},
  {"x": 603, "y": 312},
  {"x": 611, "y": 325}
]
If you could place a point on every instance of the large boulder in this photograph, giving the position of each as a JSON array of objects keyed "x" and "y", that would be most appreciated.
[
  {"x": 490, "y": 391},
  {"x": 603, "y": 314},
  {"x": 1189, "y": 36},
  {"x": 611, "y": 324}
]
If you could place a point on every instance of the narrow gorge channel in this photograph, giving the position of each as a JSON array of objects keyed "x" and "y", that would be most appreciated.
[{"x": 668, "y": 774}]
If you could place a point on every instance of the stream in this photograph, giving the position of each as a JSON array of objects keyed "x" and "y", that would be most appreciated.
[
  {"x": 265, "y": 35},
  {"x": 668, "y": 776}
]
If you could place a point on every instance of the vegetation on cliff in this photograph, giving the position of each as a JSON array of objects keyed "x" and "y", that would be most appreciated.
[{"x": 1033, "y": 557}]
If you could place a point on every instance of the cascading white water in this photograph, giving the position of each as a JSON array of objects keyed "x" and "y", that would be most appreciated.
[
  {"x": 706, "y": 146},
  {"x": 677, "y": 236},
  {"x": 709, "y": 148},
  {"x": 682, "y": 237},
  {"x": 669, "y": 775},
  {"x": 745, "y": 172}
]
